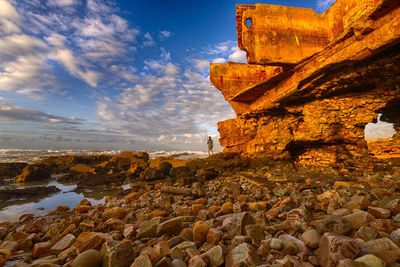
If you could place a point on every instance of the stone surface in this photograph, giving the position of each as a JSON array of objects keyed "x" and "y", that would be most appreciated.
[
  {"x": 89, "y": 258},
  {"x": 63, "y": 244},
  {"x": 242, "y": 255},
  {"x": 117, "y": 254},
  {"x": 312, "y": 83},
  {"x": 333, "y": 248},
  {"x": 200, "y": 231},
  {"x": 311, "y": 238},
  {"x": 33, "y": 173},
  {"x": 41, "y": 249},
  {"x": 371, "y": 260}
]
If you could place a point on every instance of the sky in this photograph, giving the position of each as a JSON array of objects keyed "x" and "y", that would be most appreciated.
[{"x": 128, "y": 74}]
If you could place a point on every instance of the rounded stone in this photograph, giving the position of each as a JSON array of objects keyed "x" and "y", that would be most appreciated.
[
  {"x": 178, "y": 263},
  {"x": 371, "y": 260},
  {"x": 89, "y": 258}
]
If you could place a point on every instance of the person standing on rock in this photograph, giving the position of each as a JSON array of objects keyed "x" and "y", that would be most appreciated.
[{"x": 210, "y": 144}]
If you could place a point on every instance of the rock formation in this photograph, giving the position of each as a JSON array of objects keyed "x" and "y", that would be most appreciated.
[{"x": 312, "y": 82}]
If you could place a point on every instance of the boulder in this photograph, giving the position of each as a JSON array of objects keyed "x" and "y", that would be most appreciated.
[
  {"x": 152, "y": 174},
  {"x": 180, "y": 172},
  {"x": 91, "y": 240},
  {"x": 149, "y": 228},
  {"x": 10, "y": 170},
  {"x": 206, "y": 173},
  {"x": 33, "y": 173}
]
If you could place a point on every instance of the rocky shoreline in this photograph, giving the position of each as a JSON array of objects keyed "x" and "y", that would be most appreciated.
[{"x": 224, "y": 210}]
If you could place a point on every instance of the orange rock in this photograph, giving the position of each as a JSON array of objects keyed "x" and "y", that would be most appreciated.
[
  {"x": 158, "y": 213},
  {"x": 200, "y": 230},
  {"x": 227, "y": 207},
  {"x": 82, "y": 208},
  {"x": 213, "y": 209},
  {"x": 132, "y": 197},
  {"x": 41, "y": 249},
  {"x": 196, "y": 208},
  {"x": 262, "y": 205},
  {"x": 116, "y": 212},
  {"x": 213, "y": 236},
  {"x": 4, "y": 255},
  {"x": 201, "y": 201},
  {"x": 305, "y": 94}
]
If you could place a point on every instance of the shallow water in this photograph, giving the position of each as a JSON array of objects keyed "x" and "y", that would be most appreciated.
[{"x": 37, "y": 205}]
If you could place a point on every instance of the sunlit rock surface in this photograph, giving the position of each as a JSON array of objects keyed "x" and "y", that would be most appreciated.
[{"x": 313, "y": 82}]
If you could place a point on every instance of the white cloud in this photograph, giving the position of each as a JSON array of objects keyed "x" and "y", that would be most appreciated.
[
  {"x": 166, "y": 105},
  {"x": 237, "y": 55},
  {"x": 201, "y": 65},
  {"x": 148, "y": 40},
  {"x": 61, "y": 3},
  {"x": 15, "y": 113},
  {"x": 165, "y": 34},
  {"x": 219, "y": 60},
  {"x": 323, "y": 5},
  {"x": 9, "y": 18},
  {"x": 379, "y": 130}
]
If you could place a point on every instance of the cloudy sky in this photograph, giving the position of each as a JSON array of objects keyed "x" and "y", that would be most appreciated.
[{"x": 101, "y": 74}]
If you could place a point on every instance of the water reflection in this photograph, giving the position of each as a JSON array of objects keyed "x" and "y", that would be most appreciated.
[{"x": 68, "y": 196}]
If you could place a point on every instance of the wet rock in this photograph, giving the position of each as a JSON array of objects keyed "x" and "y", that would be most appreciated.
[
  {"x": 63, "y": 244},
  {"x": 10, "y": 170},
  {"x": 180, "y": 172},
  {"x": 41, "y": 249},
  {"x": 149, "y": 228},
  {"x": 89, "y": 258},
  {"x": 371, "y": 260},
  {"x": 311, "y": 238},
  {"x": 206, "y": 173},
  {"x": 242, "y": 255},
  {"x": 333, "y": 248},
  {"x": 33, "y": 173},
  {"x": 23, "y": 193},
  {"x": 379, "y": 212},
  {"x": 200, "y": 231},
  {"x": 164, "y": 167},
  {"x": 152, "y": 174},
  {"x": 98, "y": 179},
  {"x": 117, "y": 254}
]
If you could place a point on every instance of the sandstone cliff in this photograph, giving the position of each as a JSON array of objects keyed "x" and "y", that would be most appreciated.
[{"x": 312, "y": 82}]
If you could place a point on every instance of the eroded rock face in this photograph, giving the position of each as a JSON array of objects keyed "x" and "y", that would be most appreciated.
[{"x": 314, "y": 81}]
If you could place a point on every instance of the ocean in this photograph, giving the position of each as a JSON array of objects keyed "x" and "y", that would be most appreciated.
[{"x": 31, "y": 156}]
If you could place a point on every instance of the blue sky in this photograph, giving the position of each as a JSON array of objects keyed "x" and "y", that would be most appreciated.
[{"x": 97, "y": 74}]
